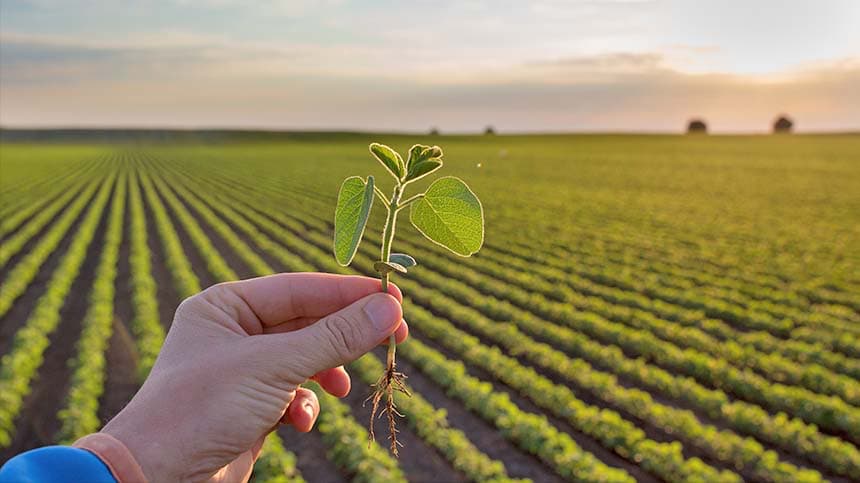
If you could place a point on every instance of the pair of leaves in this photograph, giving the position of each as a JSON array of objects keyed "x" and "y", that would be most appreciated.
[
  {"x": 422, "y": 161},
  {"x": 448, "y": 214}
]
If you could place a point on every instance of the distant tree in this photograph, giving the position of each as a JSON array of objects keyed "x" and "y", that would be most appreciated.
[
  {"x": 434, "y": 131},
  {"x": 489, "y": 131},
  {"x": 782, "y": 125},
  {"x": 697, "y": 126}
]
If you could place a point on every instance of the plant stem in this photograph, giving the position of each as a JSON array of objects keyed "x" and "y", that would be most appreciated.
[{"x": 387, "y": 239}]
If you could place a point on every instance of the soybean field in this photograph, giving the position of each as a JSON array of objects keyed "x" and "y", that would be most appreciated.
[{"x": 649, "y": 308}]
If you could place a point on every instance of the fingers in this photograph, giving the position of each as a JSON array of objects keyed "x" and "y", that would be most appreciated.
[
  {"x": 303, "y": 410},
  {"x": 335, "y": 381},
  {"x": 334, "y": 340},
  {"x": 282, "y": 297}
]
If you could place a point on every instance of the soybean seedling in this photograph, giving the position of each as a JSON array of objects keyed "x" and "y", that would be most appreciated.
[{"x": 448, "y": 214}]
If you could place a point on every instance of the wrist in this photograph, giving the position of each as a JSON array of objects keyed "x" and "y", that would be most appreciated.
[
  {"x": 115, "y": 455},
  {"x": 151, "y": 455}
]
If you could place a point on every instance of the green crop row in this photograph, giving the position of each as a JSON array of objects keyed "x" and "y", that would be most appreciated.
[
  {"x": 335, "y": 427},
  {"x": 16, "y": 242},
  {"x": 428, "y": 423},
  {"x": 500, "y": 280},
  {"x": 254, "y": 262},
  {"x": 671, "y": 304},
  {"x": 79, "y": 416},
  {"x": 64, "y": 189},
  {"x": 23, "y": 199},
  {"x": 25, "y": 270},
  {"x": 18, "y": 367},
  {"x": 548, "y": 432},
  {"x": 603, "y": 284},
  {"x": 798, "y": 351},
  {"x": 792, "y": 435},
  {"x": 432, "y": 426},
  {"x": 146, "y": 323},
  {"x": 348, "y": 443},
  {"x": 214, "y": 262},
  {"x": 784, "y": 304},
  {"x": 275, "y": 464},
  {"x": 621, "y": 275},
  {"x": 184, "y": 279},
  {"x": 530, "y": 431},
  {"x": 603, "y": 418},
  {"x": 721, "y": 445},
  {"x": 824, "y": 411}
]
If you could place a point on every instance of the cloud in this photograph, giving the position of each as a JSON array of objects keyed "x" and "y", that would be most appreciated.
[{"x": 188, "y": 80}]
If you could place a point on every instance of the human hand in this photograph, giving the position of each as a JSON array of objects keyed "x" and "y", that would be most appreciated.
[{"x": 231, "y": 365}]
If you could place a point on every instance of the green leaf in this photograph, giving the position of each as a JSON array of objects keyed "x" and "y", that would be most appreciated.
[
  {"x": 350, "y": 216},
  {"x": 390, "y": 159},
  {"x": 420, "y": 152},
  {"x": 402, "y": 259},
  {"x": 423, "y": 169},
  {"x": 386, "y": 267},
  {"x": 451, "y": 215}
]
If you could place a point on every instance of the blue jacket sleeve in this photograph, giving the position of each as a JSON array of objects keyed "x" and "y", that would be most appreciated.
[{"x": 55, "y": 464}]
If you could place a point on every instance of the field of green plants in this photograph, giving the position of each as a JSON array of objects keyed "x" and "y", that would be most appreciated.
[{"x": 652, "y": 308}]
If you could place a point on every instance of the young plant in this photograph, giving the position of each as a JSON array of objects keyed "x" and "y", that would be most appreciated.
[{"x": 448, "y": 214}]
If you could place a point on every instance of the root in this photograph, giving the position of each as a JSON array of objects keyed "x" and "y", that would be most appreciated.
[{"x": 390, "y": 381}]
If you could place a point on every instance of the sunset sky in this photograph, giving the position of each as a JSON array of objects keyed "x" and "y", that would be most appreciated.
[{"x": 547, "y": 65}]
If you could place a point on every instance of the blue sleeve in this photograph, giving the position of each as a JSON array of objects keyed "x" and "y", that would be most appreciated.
[{"x": 55, "y": 464}]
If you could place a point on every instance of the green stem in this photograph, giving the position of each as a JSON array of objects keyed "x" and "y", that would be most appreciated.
[{"x": 387, "y": 239}]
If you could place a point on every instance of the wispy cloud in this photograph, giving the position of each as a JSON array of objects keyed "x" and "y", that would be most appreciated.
[{"x": 544, "y": 65}]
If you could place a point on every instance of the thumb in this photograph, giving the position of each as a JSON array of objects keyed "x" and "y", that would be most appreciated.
[{"x": 334, "y": 340}]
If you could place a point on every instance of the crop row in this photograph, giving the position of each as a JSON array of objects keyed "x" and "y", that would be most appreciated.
[
  {"x": 275, "y": 464},
  {"x": 432, "y": 426},
  {"x": 604, "y": 281},
  {"x": 146, "y": 324},
  {"x": 348, "y": 443},
  {"x": 779, "y": 302},
  {"x": 184, "y": 279},
  {"x": 17, "y": 241},
  {"x": 546, "y": 430},
  {"x": 671, "y": 304},
  {"x": 340, "y": 431},
  {"x": 79, "y": 416},
  {"x": 254, "y": 262},
  {"x": 681, "y": 276},
  {"x": 721, "y": 445},
  {"x": 498, "y": 279},
  {"x": 18, "y": 367},
  {"x": 64, "y": 189},
  {"x": 23, "y": 195},
  {"x": 611, "y": 425},
  {"x": 822, "y": 411},
  {"x": 632, "y": 242},
  {"x": 216, "y": 265},
  {"x": 620, "y": 275},
  {"x": 789, "y": 434},
  {"x": 22, "y": 274},
  {"x": 451, "y": 443}
]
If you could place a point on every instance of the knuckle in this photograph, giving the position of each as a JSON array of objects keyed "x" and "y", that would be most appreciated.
[
  {"x": 344, "y": 337},
  {"x": 188, "y": 308}
]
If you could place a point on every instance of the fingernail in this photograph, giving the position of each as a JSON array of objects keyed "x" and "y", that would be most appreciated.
[
  {"x": 308, "y": 409},
  {"x": 383, "y": 312}
]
